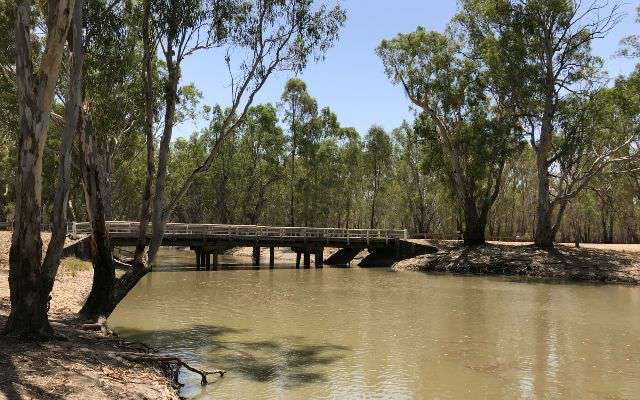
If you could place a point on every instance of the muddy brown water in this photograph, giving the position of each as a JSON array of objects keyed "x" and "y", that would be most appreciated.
[{"x": 357, "y": 333}]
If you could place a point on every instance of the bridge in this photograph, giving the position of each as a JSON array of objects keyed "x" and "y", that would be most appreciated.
[{"x": 208, "y": 241}]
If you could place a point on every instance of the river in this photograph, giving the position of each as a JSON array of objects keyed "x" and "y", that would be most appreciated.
[{"x": 338, "y": 333}]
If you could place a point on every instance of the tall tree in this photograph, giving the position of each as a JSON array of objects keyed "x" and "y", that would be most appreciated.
[
  {"x": 410, "y": 161},
  {"x": 543, "y": 50},
  {"x": 30, "y": 280},
  {"x": 351, "y": 160},
  {"x": 260, "y": 149},
  {"x": 299, "y": 109},
  {"x": 378, "y": 152},
  {"x": 467, "y": 124},
  {"x": 273, "y": 36}
]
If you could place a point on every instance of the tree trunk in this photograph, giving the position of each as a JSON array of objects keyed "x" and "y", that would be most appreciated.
[
  {"x": 71, "y": 122},
  {"x": 147, "y": 75},
  {"x": 29, "y": 282},
  {"x": 544, "y": 235},
  {"x": 101, "y": 296},
  {"x": 293, "y": 166},
  {"x": 372, "y": 215},
  {"x": 158, "y": 215},
  {"x": 474, "y": 224}
]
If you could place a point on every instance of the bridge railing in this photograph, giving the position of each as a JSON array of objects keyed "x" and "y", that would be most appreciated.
[{"x": 182, "y": 229}]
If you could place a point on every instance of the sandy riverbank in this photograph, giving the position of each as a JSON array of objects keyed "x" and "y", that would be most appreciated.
[
  {"x": 89, "y": 365},
  {"x": 590, "y": 262}
]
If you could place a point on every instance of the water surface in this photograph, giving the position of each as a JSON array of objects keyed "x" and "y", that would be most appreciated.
[{"x": 371, "y": 333}]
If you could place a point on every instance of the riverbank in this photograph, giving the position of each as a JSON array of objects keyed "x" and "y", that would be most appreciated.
[
  {"x": 87, "y": 365},
  {"x": 589, "y": 263}
]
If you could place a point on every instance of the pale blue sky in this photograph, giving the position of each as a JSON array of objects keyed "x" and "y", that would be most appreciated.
[{"x": 351, "y": 81}]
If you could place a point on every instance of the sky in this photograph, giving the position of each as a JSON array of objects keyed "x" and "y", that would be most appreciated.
[{"x": 351, "y": 80}]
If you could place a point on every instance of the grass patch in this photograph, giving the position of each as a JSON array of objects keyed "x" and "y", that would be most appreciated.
[{"x": 73, "y": 265}]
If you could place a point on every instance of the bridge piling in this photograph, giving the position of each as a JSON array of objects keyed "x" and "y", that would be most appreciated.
[
  {"x": 214, "y": 260},
  {"x": 307, "y": 258},
  {"x": 272, "y": 256},
  {"x": 256, "y": 256},
  {"x": 198, "y": 259},
  {"x": 298, "y": 254},
  {"x": 319, "y": 257}
]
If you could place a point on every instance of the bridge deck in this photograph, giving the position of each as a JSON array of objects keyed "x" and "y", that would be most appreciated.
[
  {"x": 210, "y": 240},
  {"x": 198, "y": 234}
]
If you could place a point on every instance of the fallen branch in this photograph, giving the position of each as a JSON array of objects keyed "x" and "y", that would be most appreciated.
[{"x": 171, "y": 360}]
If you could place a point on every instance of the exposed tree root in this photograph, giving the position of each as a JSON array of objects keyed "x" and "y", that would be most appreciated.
[{"x": 174, "y": 362}]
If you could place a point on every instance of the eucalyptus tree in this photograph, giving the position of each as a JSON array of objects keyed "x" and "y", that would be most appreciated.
[
  {"x": 542, "y": 48},
  {"x": 299, "y": 110},
  {"x": 31, "y": 279},
  {"x": 268, "y": 36},
  {"x": 415, "y": 183},
  {"x": 109, "y": 127},
  {"x": 467, "y": 125},
  {"x": 377, "y": 161},
  {"x": 351, "y": 159},
  {"x": 261, "y": 153},
  {"x": 181, "y": 27},
  {"x": 317, "y": 156}
]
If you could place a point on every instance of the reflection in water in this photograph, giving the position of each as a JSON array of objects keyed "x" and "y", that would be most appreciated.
[{"x": 354, "y": 333}]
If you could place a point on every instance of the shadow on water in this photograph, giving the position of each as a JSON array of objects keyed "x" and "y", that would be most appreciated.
[{"x": 289, "y": 360}]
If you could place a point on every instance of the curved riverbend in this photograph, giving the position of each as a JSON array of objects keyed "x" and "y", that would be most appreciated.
[{"x": 353, "y": 333}]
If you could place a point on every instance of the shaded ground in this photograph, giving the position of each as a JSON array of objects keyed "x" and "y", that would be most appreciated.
[
  {"x": 595, "y": 263},
  {"x": 86, "y": 366}
]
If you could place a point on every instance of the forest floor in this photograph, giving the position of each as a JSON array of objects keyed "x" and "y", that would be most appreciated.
[
  {"x": 605, "y": 263},
  {"x": 86, "y": 364}
]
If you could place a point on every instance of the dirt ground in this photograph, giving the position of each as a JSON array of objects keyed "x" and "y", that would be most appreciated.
[
  {"x": 87, "y": 365},
  {"x": 606, "y": 263}
]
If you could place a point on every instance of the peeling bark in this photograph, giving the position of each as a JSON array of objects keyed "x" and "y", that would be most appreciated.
[
  {"x": 100, "y": 298},
  {"x": 30, "y": 281}
]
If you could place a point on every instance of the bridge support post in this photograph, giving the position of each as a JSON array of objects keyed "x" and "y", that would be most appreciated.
[
  {"x": 307, "y": 258},
  {"x": 203, "y": 264},
  {"x": 272, "y": 256},
  {"x": 207, "y": 259},
  {"x": 298, "y": 254},
  {"x": 214, "y": 260},
  {"x": 198, "y": 259},
  {"x": 319, "y": 257},
  {"x": 256, "y": 256}
]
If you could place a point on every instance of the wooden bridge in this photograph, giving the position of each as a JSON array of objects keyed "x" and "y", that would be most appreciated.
[{"x": 210, "y": 240}]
